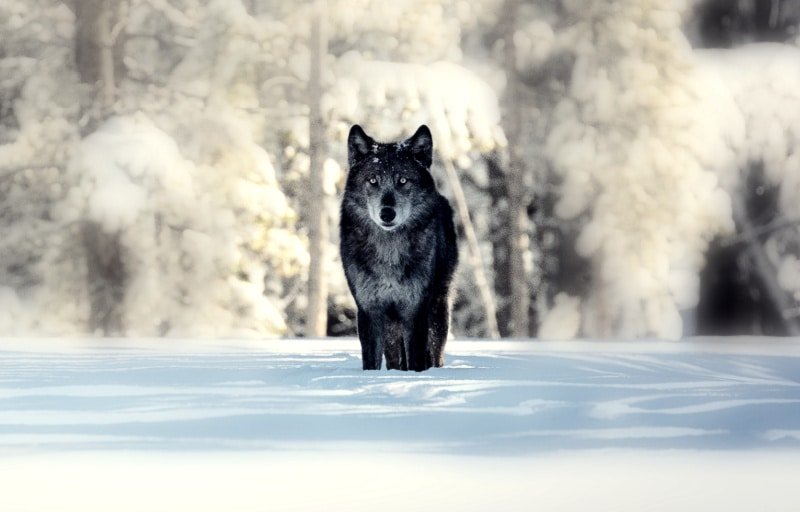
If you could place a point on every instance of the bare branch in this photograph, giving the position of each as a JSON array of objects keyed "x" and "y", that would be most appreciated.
[
  {"x": 766, "y": 271},
  {"x": 760, "y": 231},
  {"x": 164, "y": 39},
  {"x": 116, "y": 30}
]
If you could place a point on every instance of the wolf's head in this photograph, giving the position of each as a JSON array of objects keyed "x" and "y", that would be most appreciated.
[{"x": 391, "y": 182}]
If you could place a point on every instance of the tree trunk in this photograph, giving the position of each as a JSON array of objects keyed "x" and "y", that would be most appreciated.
[
  {"x": 99, "y": 60},
  {"x": 317, "y": 312},
  {"x": 501, "y": 243},
  {"x": 107, "y": 279},
  {"x": 517, "y": 194},
  {"x": 474, "y": 251},
  {"x": 99, "y": 46}
]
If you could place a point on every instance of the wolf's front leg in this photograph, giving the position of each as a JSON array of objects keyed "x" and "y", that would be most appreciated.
[
  {"x": 371, "y": 337},
  {"x": 393, "y": 347},
  {"x": 418, "y": 342},
  {"x": 438, "y": 326}
]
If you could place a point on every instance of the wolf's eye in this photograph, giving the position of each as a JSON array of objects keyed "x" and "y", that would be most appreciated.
[
  {"x": 373, "y": 181},
  {"x": 403, "y": 181}
]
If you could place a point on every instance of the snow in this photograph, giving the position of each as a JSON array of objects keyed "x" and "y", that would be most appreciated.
[
  {"x": 296, "y": 425},
  {"x": 461, "y": 109},
  {"x": 563, "y": 321},
  {"x": 620, "y": 481},
  {"x": 122, "y": 153}
]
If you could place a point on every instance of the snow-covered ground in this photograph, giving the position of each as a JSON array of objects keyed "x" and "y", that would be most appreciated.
[{"x": 296, "y": 425}]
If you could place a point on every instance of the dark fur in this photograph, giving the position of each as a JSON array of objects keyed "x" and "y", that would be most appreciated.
[{"x": 400, "y": 279}]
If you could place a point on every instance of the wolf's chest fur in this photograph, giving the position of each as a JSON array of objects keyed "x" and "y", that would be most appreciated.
[{"x": 397, "y": 273}]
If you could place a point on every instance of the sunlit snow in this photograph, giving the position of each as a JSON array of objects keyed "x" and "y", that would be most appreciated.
[{"x": 501, "y": 420}]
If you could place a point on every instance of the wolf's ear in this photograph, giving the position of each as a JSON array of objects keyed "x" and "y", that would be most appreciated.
[
  {"x": 358, "y": 144},
  {"x": 421, "y": 146}
]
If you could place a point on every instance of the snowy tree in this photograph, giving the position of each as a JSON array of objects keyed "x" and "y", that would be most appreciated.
[
  {"x": 763, "y": 181},
  {"x": 661, "y": 149},
  {"x": 39, "y": 126},
  {"x": 204, "y": 236},
  {"x": 630, "y": 143},
  {"x": 603, "y": 171}
]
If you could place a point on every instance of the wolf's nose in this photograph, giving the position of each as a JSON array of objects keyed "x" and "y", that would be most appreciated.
[{"x": 387, "y": 214}]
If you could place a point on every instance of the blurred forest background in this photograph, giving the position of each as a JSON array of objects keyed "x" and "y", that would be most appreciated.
[{"x": 623, "y": 168}]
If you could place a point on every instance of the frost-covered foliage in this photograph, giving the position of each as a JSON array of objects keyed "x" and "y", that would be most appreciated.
[
  {"x": 178, "y": 180},
  {"x": 420, "y": 31},
  {"x": 181, "y": 224},
  {"x": 631, "y": 146},
  {"x": 756, "y": 100},
  {"x": 654, "y": 142},
  {"x": 636, "y": 149},
  {"x": 39, "y": 127},
  {"x": 460, "y": 108},
  {"x": 36, "y": 82}
]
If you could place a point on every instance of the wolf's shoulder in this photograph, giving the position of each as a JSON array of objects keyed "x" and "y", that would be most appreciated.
[
  {"x": 448, "y": 240},
  {"x": 443, "y": 206},
  {"x": 445, "y": 214}
]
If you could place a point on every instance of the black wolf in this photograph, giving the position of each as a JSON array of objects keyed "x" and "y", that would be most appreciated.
[{"x": 399, "y": 251}]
